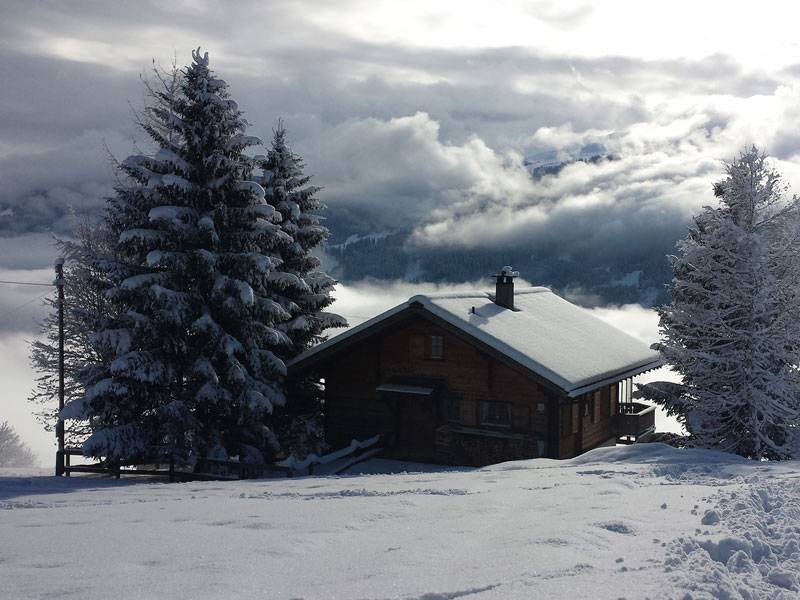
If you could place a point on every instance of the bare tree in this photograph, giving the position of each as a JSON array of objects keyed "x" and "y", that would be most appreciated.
[{"x": 85, "y": 303}]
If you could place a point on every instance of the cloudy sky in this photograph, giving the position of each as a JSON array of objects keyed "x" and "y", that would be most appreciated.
[{"x": 426, "y": 111}]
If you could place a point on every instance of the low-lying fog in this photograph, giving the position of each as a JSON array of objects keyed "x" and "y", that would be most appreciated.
[{"x": 357, "y": 302}]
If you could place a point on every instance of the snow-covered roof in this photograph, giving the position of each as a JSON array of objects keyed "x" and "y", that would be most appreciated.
[{"x": 550, "y": 336}]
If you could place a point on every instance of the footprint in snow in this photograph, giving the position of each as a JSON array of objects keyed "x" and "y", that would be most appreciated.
[
  {"x": 46, "y": 565},
  {"x": 258, "y": 526},
  {"x": 150, "y": 563},
  {"x": 617, "y": 527},
  {"x": 555, "y": 542}
]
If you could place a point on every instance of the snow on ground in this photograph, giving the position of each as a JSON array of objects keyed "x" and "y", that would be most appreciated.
[{"x": 636, "y": 522}]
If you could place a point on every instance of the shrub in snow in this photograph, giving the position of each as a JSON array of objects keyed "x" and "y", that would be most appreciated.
[
  {"x": 732, "y": 329},
  {"x": 193, "y": 367}
]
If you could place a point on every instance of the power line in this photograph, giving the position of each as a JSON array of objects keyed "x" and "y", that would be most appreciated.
[
  {"x": 27, "y": 283},
  {"x": 23, "y": 305}
]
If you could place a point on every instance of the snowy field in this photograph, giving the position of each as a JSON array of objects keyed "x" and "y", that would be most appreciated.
[{"x": 644, "y": 521}]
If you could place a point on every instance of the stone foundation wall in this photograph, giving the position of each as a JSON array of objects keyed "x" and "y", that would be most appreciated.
[{"x": 454, "y": 447}]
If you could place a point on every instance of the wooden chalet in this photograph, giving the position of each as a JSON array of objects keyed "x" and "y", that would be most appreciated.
[{"x": 479, "y": 378}]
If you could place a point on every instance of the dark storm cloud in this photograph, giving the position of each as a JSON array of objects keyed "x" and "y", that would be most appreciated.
[
  {"x": 433, "y": 138},
  {"x": 48, "y": 100}
]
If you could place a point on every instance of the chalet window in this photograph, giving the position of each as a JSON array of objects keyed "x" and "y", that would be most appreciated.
[
  {"x": 452, "y": 406},
  {"x": 596, "y": 404},
  {"x": 540, "y": 407},
  {"x": 575, "y": 417},
  {"x": 416, "y": 346},
  {"x": 497, "y": 414},
  {"x": 588, "y": 408},
  {"x": 435, "y": 347}
]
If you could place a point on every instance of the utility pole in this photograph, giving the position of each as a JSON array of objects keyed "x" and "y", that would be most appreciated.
[{"x": 60, "y": 424}]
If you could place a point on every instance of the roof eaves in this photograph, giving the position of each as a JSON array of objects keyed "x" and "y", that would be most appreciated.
[
  {"x": 399, "y": 388},
  {"x": 615, "y": 377}
]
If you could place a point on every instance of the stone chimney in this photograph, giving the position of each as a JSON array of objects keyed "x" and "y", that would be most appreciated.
[{"x": 504, "y": 291}]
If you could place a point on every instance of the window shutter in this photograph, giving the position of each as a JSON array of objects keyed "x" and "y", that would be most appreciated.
[
  {"x": 417, "y": 346},
  {"x": 436, "y": 346}
]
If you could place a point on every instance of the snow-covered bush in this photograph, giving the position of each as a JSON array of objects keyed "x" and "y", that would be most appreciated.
[{"x": 732, "y": 328}]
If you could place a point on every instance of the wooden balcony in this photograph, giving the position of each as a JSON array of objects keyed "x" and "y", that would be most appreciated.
[{"x": 634, "y": 420}]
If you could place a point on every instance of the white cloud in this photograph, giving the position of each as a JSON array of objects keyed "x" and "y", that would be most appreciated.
[
  {"x": 633, "y": 319},
  {"x": 663, "y": 169},
  {"x": 423, "y": 114},
  {"x": 403, "y": 159},
  {"x": 21, "y": 306},
  {"x": 363, "y": 300}
]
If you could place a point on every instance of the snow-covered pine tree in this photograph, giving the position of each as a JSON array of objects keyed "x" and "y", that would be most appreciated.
[
  {"x": 86, "y": 305},
  {"x": 732, "y": 328},
  {"x": 304, "y": 290},
  {"x": 194, "y": 370}
]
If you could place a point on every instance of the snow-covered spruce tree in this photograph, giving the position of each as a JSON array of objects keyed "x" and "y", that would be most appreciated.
[
  {"x": 194, "y": 370},
  {"x": 303, "y": 290},
  {"x": 86, "y": 304},
  {"x": 732, "y": 328}
]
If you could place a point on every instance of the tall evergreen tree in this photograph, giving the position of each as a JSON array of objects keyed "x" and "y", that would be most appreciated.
[
  {"x": 732, "y": 329},
  {"x": 194, "y": 370},
  {"x": 304, "y": 290}
]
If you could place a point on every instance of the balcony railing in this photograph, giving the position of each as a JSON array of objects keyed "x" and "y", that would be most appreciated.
[{"x": 635, "y": 419}]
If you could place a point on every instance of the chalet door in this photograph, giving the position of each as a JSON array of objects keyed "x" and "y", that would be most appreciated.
[{"x": 416, "y": 427}]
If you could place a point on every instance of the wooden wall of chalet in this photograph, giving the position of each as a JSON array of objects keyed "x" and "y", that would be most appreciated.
[
  {"x": 588, "y": 421},
  {"x": 355, "y": 410}
]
